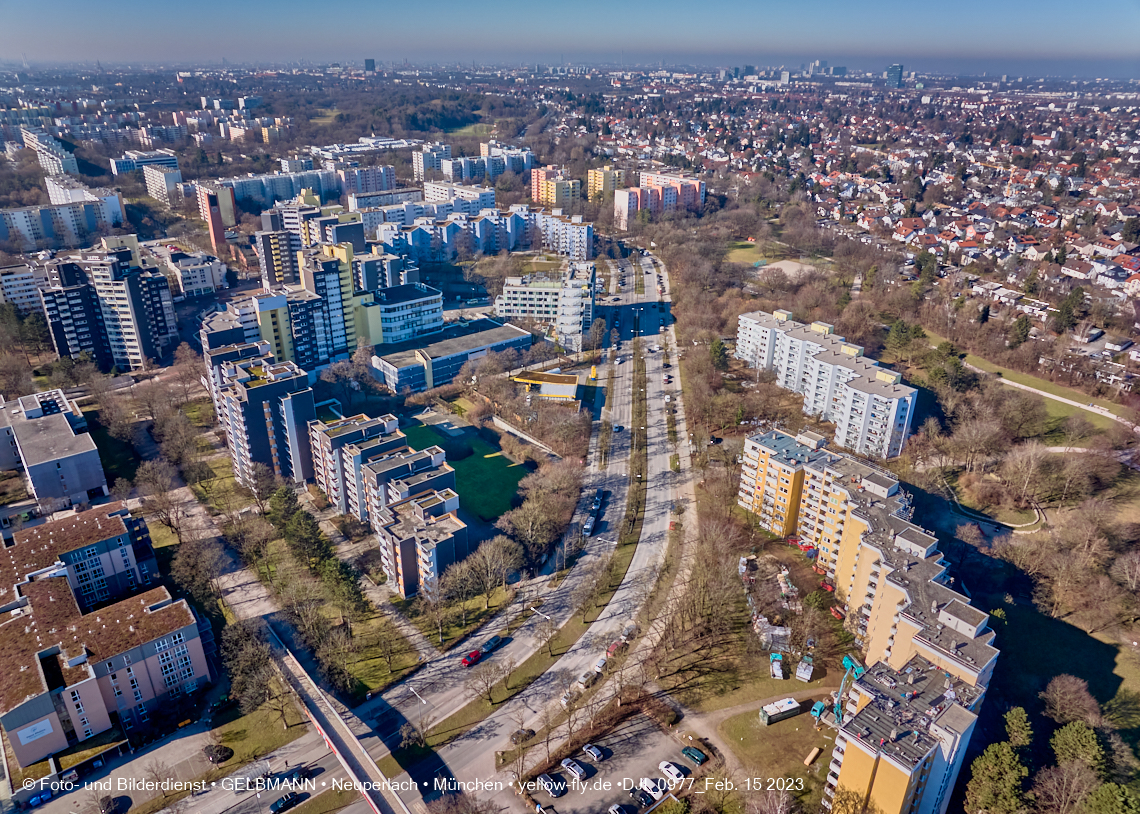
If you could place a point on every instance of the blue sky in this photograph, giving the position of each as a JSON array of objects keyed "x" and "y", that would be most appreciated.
[{"x": 999, "y": 36}]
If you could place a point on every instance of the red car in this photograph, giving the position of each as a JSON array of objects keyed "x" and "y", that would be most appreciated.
[
  {"x": 472, "y": 658},
  {"x": 827, "y": 586},
  {"x": 837, "y": 613}
]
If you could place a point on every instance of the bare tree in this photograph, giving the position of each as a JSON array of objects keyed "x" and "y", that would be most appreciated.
[
  {"x": 1062, "y": 789},
  {"x": 481, "y": 682},
  {"x": 122, "y": 489},
  {"x": 546, "y": 630},
  {"x": 1067, "y": 698},
  {"x": 156, "y": 480},
  {"x": 157, "y": 772}
]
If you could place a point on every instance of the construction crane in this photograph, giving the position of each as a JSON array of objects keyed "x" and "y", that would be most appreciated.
[{"x": 853, "y": 668}]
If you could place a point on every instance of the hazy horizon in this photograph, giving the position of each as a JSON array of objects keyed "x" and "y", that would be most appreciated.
[{"x": 974, "y": 38}]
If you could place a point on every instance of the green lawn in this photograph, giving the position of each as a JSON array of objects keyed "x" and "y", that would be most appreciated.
[
  {"x": 486, "y": 480},
  {"x": 200, "y": 412},
  {"x": 779, "y": 750},
  {"x": 744, "y": 252},
  {"x": 328, "y": 801},
  {"x": 118, "y": 457},
  {"x": 474, "y": 129}
]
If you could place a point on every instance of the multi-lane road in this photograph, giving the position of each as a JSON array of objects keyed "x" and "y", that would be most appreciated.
[{"x": 439, "y": 689}]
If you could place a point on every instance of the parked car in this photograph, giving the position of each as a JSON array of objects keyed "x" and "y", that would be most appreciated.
[
  {"x": 655, "y": 787},
  {"x": 671, "y": 771},
  {"x": 285, "y": 803},
  {"x": 491, "y": 644},
  {"x": 598, "y": 499},
  {"x": 298, "y": 775},
  {"x": 616, "y": 648},
  {"x": 588, "y": 526},
  {"x": 615, "y": 809},
  {"x": 600, "y": 664},
  {"x": 629, "y": 631},
  {"x": 574, "y": 767},
  {"x": 551, "y": 788},
  {"x": 521, "y": 736},
  {"x": 694, "y": 754},
  {"x": 472, "y": 658},
  {"x": 641, "y": 797},
  {"x": 594, "y": 753}
]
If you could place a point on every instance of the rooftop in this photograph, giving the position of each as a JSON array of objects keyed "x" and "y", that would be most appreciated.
[
  {"x": 410, "y": 292},
  {"x": 454, "y": 339},
  {"x": 51, "y": 618},
  {"x": 48, "y": 438}
]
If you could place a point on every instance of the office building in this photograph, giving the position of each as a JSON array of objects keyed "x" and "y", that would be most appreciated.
[
  {"x": 162, "y": 183},
  {"x": 428, "y": 160},
  {"x": 601, "y": 182},
  {"x": 370, "y": 66},
  {"x": 413, "y": 367},
  {"x": 399, "y": 313},
  {"x": 564, "y": 302},
  {"x": 216, "y": 206},
  {"x": 894, "y": 76},
  {"x": 137, "y": 159},
  {"x": 869, "y": 405},
  {"x": 419, "y": 538},
  {"x": 367, "y": 180},
  {"x": 906, "y": 724},
  {"x": 71, "y": 667},
  {"x": 21, "y": 285},
  {"x": 53, "y": 158},
  {"x": 328, "y": 439},
  {"x": 266, "y": 407},
  {"x": 47, "y": 439}
]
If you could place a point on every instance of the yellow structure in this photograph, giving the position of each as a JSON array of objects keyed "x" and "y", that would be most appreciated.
[
  {"x": 908, "y": 720},
  {"x": 601, "y": 181},
  {"x": 559, "y": 192},
  {"x": 557, "y": 386}
]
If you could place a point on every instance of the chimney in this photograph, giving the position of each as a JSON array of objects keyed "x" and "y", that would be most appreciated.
[
  {"x": 894, "y": 735},
  {"x": 934, "y": 606}
]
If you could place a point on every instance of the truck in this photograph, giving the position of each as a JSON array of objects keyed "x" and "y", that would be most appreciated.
[
  {"x": 779, "y": 711},
  {"x": 776, "y": 662},
  {"x": 805, "y": 668}
]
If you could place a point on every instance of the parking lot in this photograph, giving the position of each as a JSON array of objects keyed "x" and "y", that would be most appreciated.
[{"x": 632, "y": 751}]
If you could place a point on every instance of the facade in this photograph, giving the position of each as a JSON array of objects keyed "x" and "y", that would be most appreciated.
[
  {"x": 599, "y": 182},
  {"x": 277, "y": 257},
  {"x": 217, "y": 207},
  {"x": 429, "y": 159},
  {"x": 416, "y": 367},
  {"x": 75, "y": 320},
  {"x": 564, "y": 302},
  {"x": 283, "y": 186},
  {"x": 676, "y": 191},
  {"x": 367, "y": 180},
  {"x": 71, "y": 671},
  {"x": 907, "y": 722},
  {"x": 894, "y": 76},
  {"x": 162, "y": 182},
  {"x": 196, "y": 274},
  {"x": 480, "y": 197},
  {"x": 28, "y": 228},
  {"x": 379, "y": 477},
  {"x": 871, "y": 408},
  {"x": 549, "y": 187},
  {"x": 327, "y": 440},
  {"x": 419, "y": 538},
  {"x": 627, "y": 203},
  {"x": 47, "y": 439},
  {"x": 266, "y": 410},
  {"x": 138, "y": 310}
]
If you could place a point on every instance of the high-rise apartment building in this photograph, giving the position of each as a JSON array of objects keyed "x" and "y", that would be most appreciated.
[
  {"x": 599, "y": 182},
  {"x": 370, "y": 66},
  {"x": 21, "y": 285},
  {"x": 367, "y": 180},
  {"x": 905, "y": 727},
  {"x": 628, "y": 202},
  {"x": 429, "y": 159},
  {"x": 677, "y": 191},
  {"x": 217, "y": 207},
  {"x": 328, "y": 439},
  {"x": 399, "y": 313},
  {"x": 518, "y": 160},
  {"x": 65, "y": 224},
  {"x": 869, "y": 405},
  {"x": 550, "y": 187},
  {"x": 76, "y": 323},
  {"x": 419, "y": 538},
  {"x": 266, "y": 410},
  {"x": 564, "y": 301},
  {"x": 277, "y": 258},
  {"x": 379, "y": 477},
  {"x": 162, "y": 183}
]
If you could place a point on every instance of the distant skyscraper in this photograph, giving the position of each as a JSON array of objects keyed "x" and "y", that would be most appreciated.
[
  {"x": 370, "y": 65},
  {"x": 894, "y": 76}
]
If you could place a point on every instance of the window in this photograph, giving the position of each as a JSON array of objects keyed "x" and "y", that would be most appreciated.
[
  {"x": 138, "y": 695},
  {"x": 143, "y": 715},
  {"x": 87, "y": 733}
]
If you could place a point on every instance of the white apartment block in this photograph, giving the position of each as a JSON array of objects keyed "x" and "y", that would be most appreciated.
[
  {"x": 428, "y": 158},
  {"x": 52, "y": 157},
  {"x": 367, "y": 180},
  {"x": 20, "y": 286},
  {"x": 564, "y": 302},
  {"x": 162, "y": 182},
  {"x": 869, "y": 405},
  {"x": 480, "y": 197},
  {"x": 137, "y": 159}
]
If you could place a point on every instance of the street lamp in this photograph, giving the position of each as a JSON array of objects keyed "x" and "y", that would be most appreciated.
[
  {"x": 540, "y": 613},
  {"x": 417, "y": 695}
]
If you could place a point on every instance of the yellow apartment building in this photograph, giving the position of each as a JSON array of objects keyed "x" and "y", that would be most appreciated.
[{"x": 908, "y": 719}]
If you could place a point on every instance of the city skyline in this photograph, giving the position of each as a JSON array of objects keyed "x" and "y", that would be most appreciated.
[{"x": 976, "y": 38}]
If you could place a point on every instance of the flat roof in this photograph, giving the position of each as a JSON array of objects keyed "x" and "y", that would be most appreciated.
[
  {"x": 409, "y": 292},
  {"x": 547, "y": 378},
  {"x": 48, "y": 438},
  {"x": 453, "y": 340}
]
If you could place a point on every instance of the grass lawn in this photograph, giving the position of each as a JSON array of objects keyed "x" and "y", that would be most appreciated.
[
  {"x": 779, "y": 750},
  {"x": 88, "y": 748},
  {"x": 328, "y": 801},
  {"x": 12, "y": 488},
  {"x": 325, "y": 115},
  {"x": 744, "y": 252},
  {"x": 1001, "y": 514},
  {"x": 454, "y": 632},
  {"x": 200, "y": 412},
  {"x": 474, "y": 129},
  {"x": 486, "y": 480},
  {"x": 118, "y": 457},
  {"x": 205, "y": 490}
]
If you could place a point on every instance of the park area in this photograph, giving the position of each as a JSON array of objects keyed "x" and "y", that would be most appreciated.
[
  {"x": 779, "y": 750},
  {"x": 485, "y": 478}
]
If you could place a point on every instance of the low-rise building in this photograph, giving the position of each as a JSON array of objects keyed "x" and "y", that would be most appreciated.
[{"x": 45, "y": 435}]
